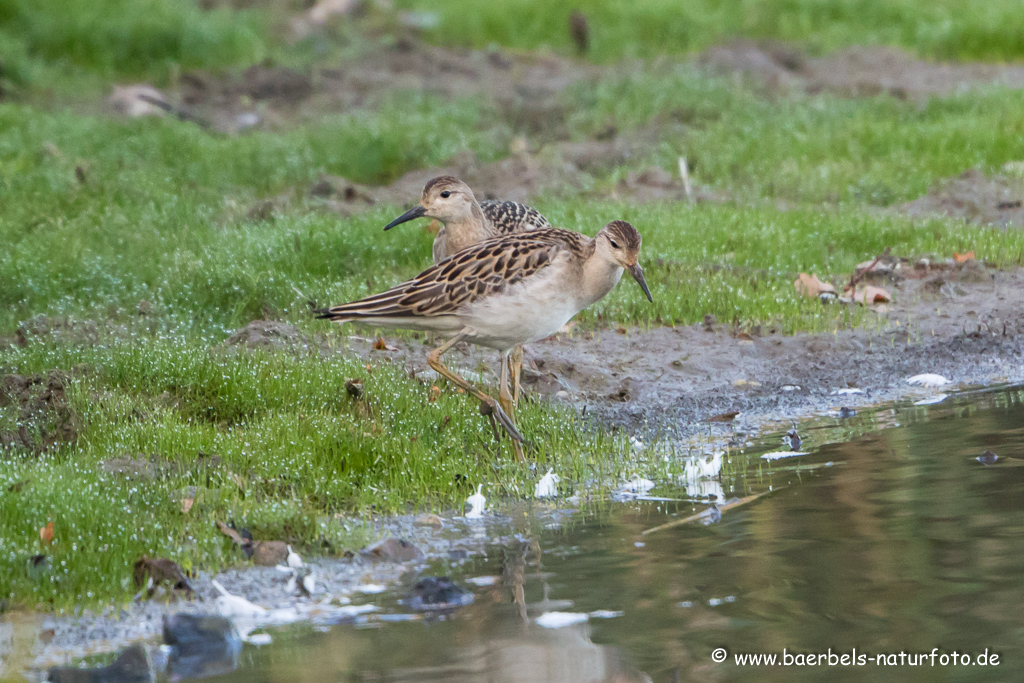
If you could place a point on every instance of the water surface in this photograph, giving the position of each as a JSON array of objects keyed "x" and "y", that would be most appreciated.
[{"x": 904, "y": 542}]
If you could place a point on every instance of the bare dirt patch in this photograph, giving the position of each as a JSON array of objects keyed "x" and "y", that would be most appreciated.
[
  {"x": 40, "y": 408},
  {"x": 266, "y": 334},
  {"x": 524, "y": 87},
  {"x": 856, "y": 71},
  {"x": 556, "y": 169},
  {"x": 974, "y": 198}
]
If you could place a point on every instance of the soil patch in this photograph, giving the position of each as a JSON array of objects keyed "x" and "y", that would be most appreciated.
[
  {"x": 58, "y": 329},
  {"x": 266, "y": 334},
  {"x": 974, "y": 198},
  {"x": 40, "y": 408},
  {"x": 856, "y": 71},
  {"x": 524, "y": 87},
  {"x": 557, "y": 169}
]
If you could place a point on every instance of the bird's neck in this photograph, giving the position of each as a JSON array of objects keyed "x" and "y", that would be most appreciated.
[
  {"x": 468, "y": 229},
  {"x": 599, "y": 277}
]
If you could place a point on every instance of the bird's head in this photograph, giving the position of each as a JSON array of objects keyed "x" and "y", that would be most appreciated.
[
  {"x": 619, "y": 243},
  {"x": 445, "y": 198}
]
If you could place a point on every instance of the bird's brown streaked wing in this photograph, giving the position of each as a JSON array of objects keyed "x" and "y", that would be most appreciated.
[
  {"x": 474, "y": 273},
  {"x": 512, "y": 217}
]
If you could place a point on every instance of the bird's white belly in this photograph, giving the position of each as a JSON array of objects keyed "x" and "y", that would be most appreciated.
[{"x": 522, "y": 314}]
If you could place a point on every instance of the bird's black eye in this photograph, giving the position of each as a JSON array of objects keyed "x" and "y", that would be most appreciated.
[
  {"x": 446, "y": 194},
  {"x": 615, "y": 245}
]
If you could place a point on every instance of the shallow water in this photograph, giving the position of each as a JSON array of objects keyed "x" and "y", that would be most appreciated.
[{"x": 903, "y": 543}]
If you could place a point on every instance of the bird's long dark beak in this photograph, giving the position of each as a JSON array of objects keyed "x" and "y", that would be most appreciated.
[
  {"x": 414, "y": 212},
  {"x": 638, "y": 274}
]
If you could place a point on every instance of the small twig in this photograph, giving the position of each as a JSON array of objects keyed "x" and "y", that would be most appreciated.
[
  {"x": 684, "y": 173},
  {"x": 721, "y": 508},
  {"x": 180, "y": 113},
  {"x": 856, "y": 277}
]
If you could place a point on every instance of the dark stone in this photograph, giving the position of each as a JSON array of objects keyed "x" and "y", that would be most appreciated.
[
  {"x": 202, "y": 645},
  {"x": 131, "y": 666},
  {"x": 437, "y": 593}
]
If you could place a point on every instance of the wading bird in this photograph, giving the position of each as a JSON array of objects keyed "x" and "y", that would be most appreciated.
[
  {"x": 502, "y": 293},
  {"x": 466, "y": 222}
]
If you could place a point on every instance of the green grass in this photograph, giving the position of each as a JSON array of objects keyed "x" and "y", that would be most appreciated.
[
  {"x": 876, "y": 150},
  {"x": 957, "y": 29},
  {"x": 97, "y": 214},
  {"x": 296, "y": 451},
  {"x": 48, "y": 41},
  {"x": 162, "y": 214}
]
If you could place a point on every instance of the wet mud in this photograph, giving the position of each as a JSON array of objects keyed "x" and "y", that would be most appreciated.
[
  {"x": 975, "y": 198},
  {"x": 39, "y": 405},
  {"x": 854, "y": 72}
]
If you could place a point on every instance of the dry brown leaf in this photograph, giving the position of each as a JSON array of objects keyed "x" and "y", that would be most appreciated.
[
  {"x": 186, "y": 504},
  {"x": 724, "y": 417},
  {"x": 46, "y": 533},
  {"x": 870, "y": 295},
  {"x": 159, "y": 570},
  {"x": 963, "y": 258},
  {"x": 810, "y": 285},
  {"x": 232, "y": 534},
  {"x": 381, "y": 345},
  {"x": 433, "y": 393}
]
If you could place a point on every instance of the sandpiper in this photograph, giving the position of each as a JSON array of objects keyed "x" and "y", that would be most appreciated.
[
  {"x": 466, "y": 222},
  {"x": 502, "y": 293}
]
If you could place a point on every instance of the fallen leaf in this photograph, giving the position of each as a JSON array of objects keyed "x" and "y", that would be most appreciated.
[
  {"x": 963, "y": 258},
  {"x": 46, "y": 533},
  {"x": 157, "y": 570},
  {"x": 810, "y": 285},
  {"x": 870, "y": 295},
  {"x": 186, "y": 504},
  {"x": 381, "y": 345},
  {"x": 433, "y": 393},
  {"x": 232, "y": 534},
  {"x": 724, "y": 417}
]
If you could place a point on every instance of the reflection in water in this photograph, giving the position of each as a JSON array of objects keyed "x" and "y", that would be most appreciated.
[
  {"x": 543, "y": 655},
  {"x": 907, "y": 543}
]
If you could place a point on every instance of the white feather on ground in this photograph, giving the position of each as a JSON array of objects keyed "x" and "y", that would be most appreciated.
[
  {"x": 547, "y": 487},
  {"x": 477, "y": 503},
  {"x": 928, "y": 379}
]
